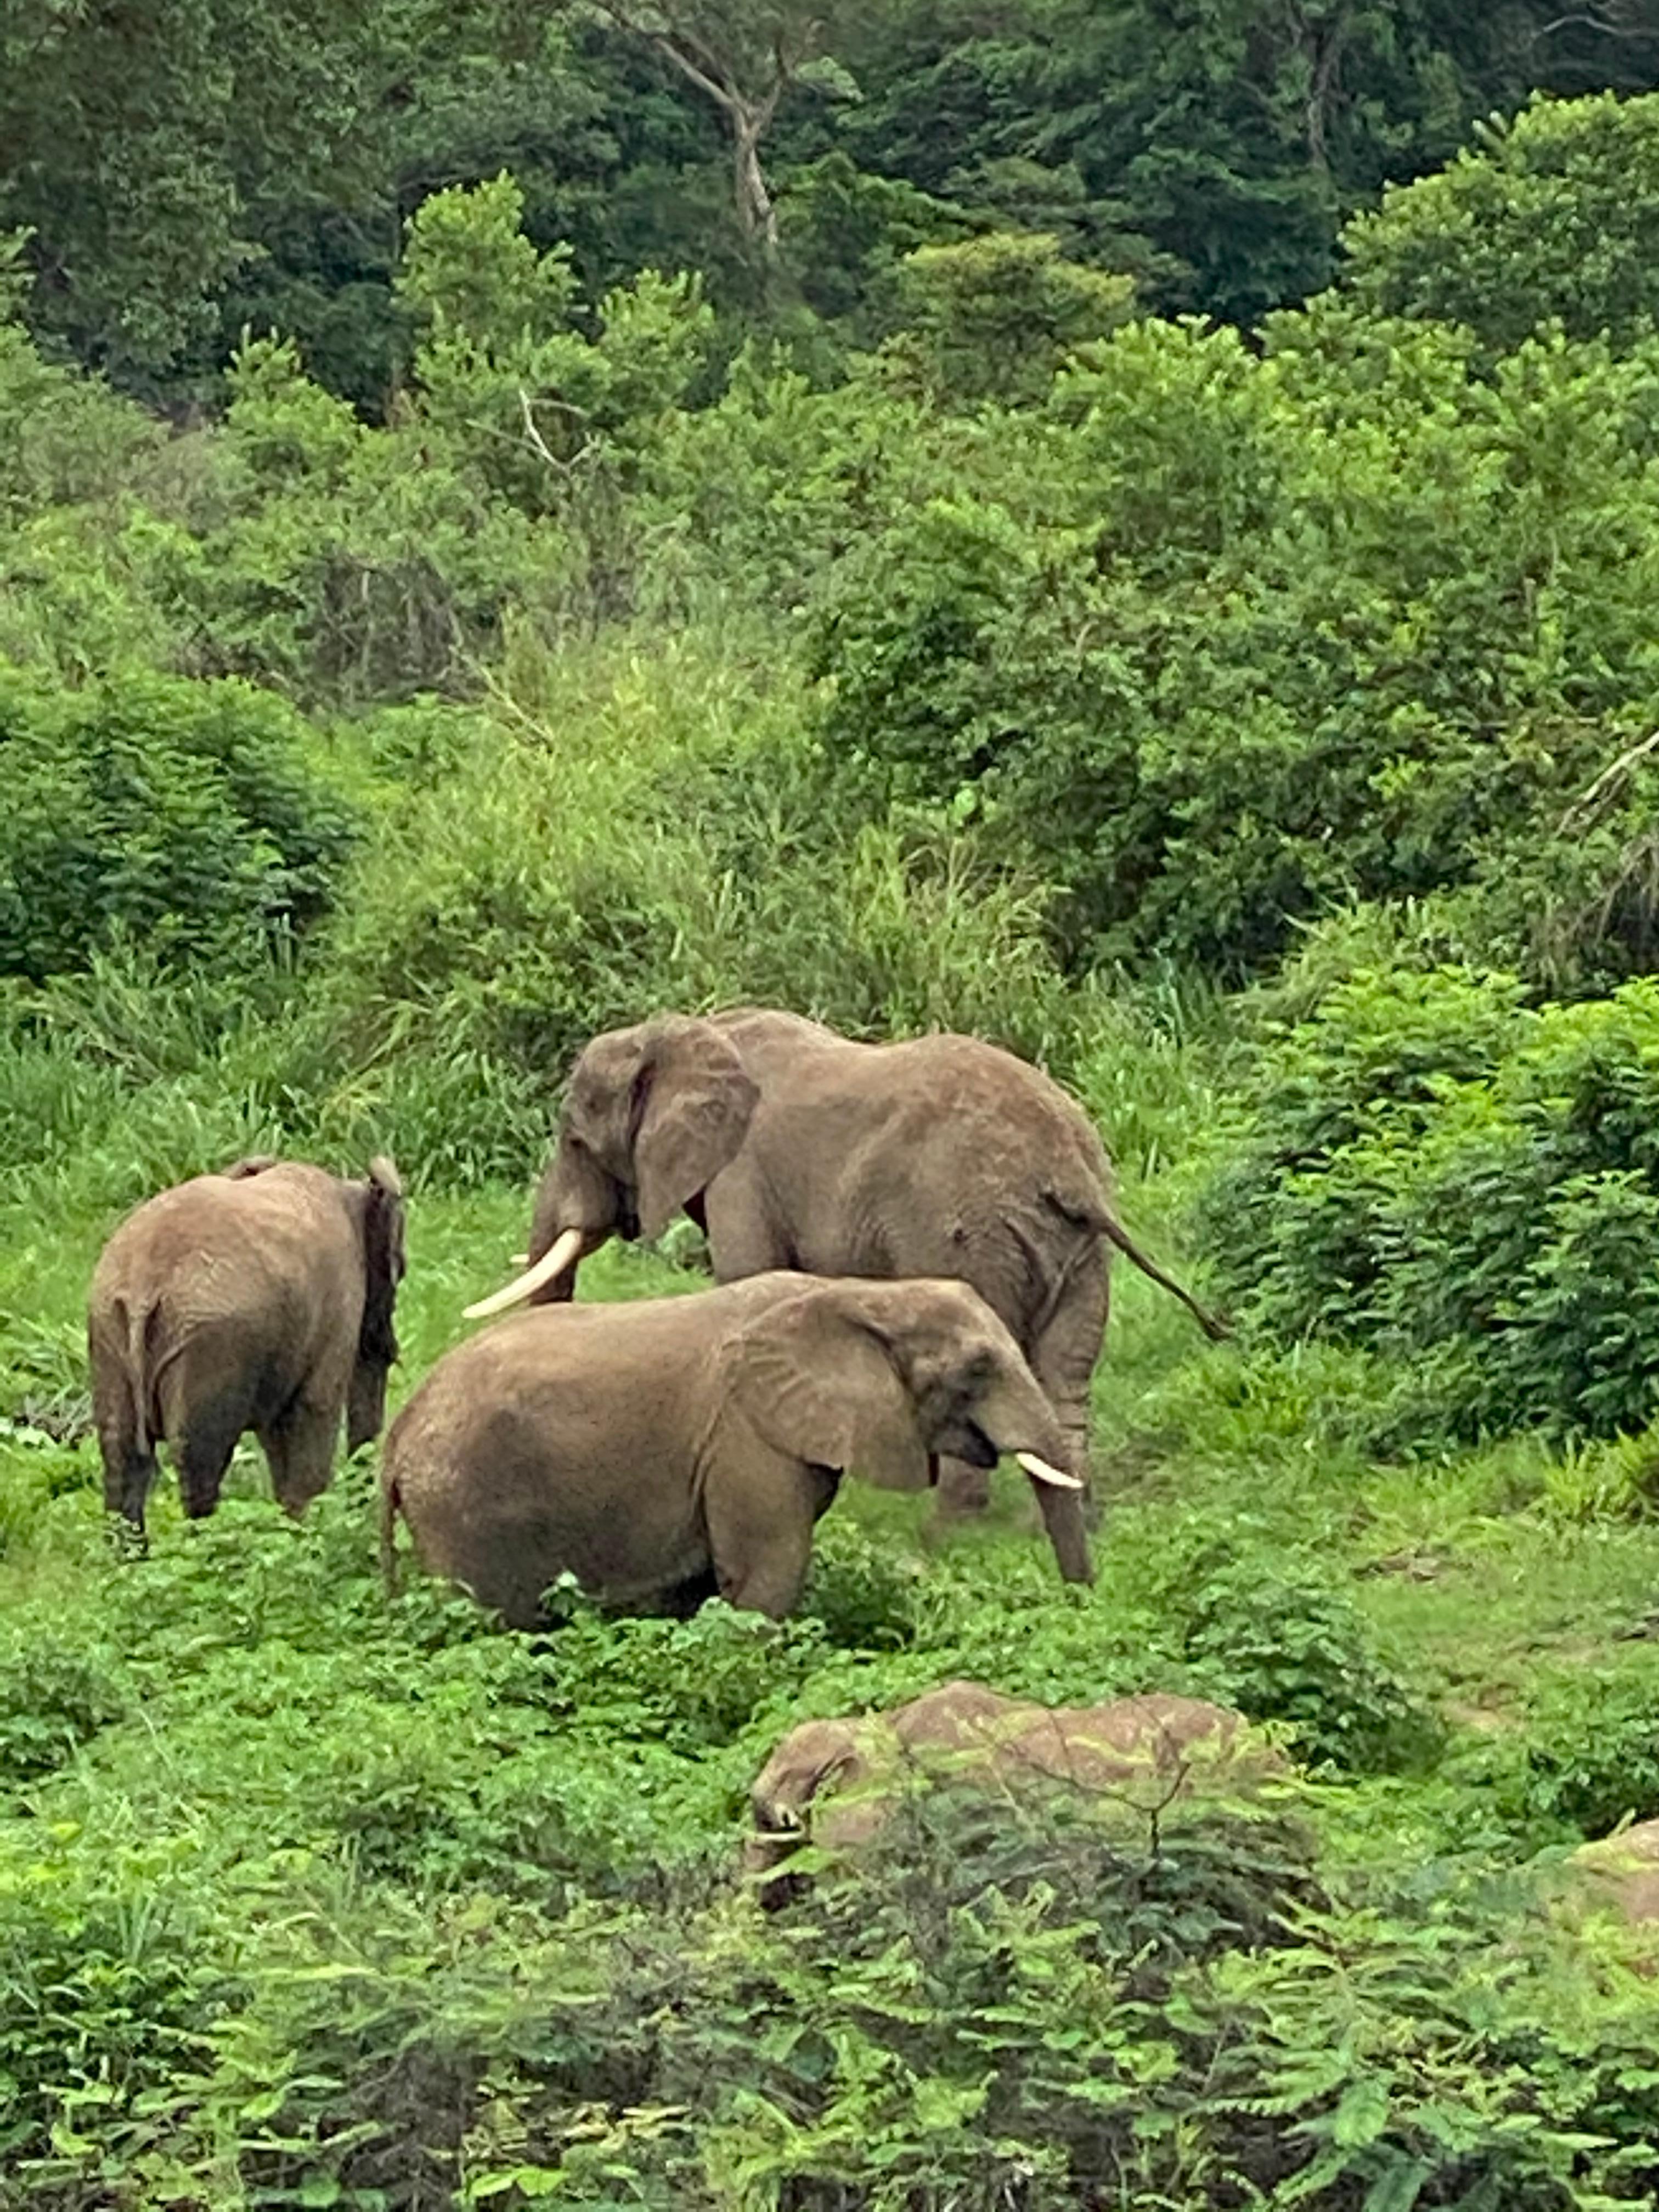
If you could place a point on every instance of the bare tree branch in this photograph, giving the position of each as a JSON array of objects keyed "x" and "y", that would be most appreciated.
[
  {"x": 1597, "y": 23},
  {"x": 668, "y": 43},
  {"x": 1583, "y": 811},
  {"x": 538, "y": 444}
]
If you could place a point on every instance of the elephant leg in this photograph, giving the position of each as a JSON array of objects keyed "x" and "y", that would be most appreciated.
[
  {"x": 129, "y": 1466},
  {"x": 761, "y": 1558},
  {"x": 681, "y": 1602},
  {"x": 203, "y": 1454},
  {"x": 206, "y": 1401},
  {"x": 963, "y": 1489},
  {"x": 298, "y": 1449}
]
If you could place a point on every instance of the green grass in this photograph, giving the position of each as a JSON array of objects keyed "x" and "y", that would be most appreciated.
[{"x": 308, "y": 1898}]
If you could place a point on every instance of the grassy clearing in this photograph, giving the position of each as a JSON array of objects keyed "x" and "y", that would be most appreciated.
[{"x": 369, "y": 1903}]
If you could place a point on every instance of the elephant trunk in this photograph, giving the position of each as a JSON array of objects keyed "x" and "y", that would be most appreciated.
[
  {"x": 1019, "y": 1419},
  {"x": 1062, "y": 1517}
]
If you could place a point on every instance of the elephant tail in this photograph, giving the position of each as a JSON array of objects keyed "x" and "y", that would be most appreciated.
[
  {"x": 1113, "y": 1230},
  {"x": 142, "y": 1330},
  {"x": 389, "y": 1502}
]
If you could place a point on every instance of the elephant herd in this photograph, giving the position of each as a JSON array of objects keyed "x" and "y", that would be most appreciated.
[{"x": 910, "y": 1243}]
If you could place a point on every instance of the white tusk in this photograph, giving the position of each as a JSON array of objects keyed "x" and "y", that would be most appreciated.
[
  {"x": 519, "y": 1260},
  {"x": 1040, "y": 1471},
  {"x": 565, "y": 1249}
]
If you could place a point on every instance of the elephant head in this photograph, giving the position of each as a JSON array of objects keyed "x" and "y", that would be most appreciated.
[
  {"x": 381, "y": 1200},
  {"x": 652, "y": 1114},
  {"x": 886, "y": 1378}
]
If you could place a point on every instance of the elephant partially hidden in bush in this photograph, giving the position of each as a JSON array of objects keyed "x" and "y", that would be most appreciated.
[
  {"x": 838, "y": 1784},
  {"x": 794, "y": 1147},
  {"x": 258, "y": 1299},
  {"x": 665, "y": 1449}
]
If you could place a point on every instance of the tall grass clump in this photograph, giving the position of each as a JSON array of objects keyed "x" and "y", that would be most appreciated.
[{"x": 654, "y": 836}]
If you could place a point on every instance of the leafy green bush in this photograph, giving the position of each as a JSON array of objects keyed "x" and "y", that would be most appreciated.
[
  {"x": 1275, "y": 1633},
  {"x": 102, "y": 1995},
  {"x": 1042, "y": 2013},
  {"x": 690, "y": 1684},
  {"x": 193, "y": 816},
  {"x": 866, "y": 1594},
  {"x": 365, "y": 564},
  {"x": 1236, "y": 639},
  {"x": 1537, "y": 223},
  {"x": 994, "y": 317},
  {"x": 54, "y": 1697},
  {"x": 1462, "y": 1182},
  {"x": 1588, "y": 1747}
]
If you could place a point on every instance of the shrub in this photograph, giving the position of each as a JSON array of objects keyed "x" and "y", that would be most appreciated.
[
  {"x": 1591, "y": 1745},
  {"x": 863, "y": 1591},
  {"x": 1275, "y": 1635},
  {"x": 191, "y": 815},
  {"x": 1475, "y": 1191},
  {"x": 691, "y": 1685},
  {"x": 1536, "y": 223},
  {"x": 54, "y": 1697},
  {"x": 1235, "y": 640},
  {"x": 993, "y": 317},
  {"x": 1067, "y": 2009}
]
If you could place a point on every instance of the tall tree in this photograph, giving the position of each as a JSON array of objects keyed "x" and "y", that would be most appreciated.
[{"x": 745, "y": 56}]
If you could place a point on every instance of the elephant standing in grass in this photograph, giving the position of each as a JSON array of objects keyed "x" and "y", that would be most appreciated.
[
  {"x": 664, "y": 1450},
  {"x": 796, "y": 1148},
  {"x": 258, "y": 1299}
]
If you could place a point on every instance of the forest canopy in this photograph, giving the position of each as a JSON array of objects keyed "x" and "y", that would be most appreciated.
[{"x": 235, "y": 166}]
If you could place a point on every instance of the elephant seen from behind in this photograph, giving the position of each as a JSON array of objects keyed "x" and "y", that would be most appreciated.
[
  {"x": 795, "y": 1148},
  {"x": 667, "y": 1449},
  {"x": 258, "y": 1299}
]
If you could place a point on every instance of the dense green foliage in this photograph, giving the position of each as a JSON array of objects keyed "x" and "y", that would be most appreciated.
[
  {"x": 581, "y": 604},
  {"x": 1542, "y": 225},
  {"x": 253, "y": 168},
  {"x": 1467, "y": 1183},
  {"x": 184, "y": 815}
]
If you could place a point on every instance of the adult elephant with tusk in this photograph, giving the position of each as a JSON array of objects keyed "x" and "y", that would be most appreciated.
[
  {"x": 794, "y": 1147},
  {"x": 664, "y": 1450}
]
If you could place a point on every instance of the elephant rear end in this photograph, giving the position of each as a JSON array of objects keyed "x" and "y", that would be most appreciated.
[
  {"x": 259, "y": 1299},
  {"x": 166, "y": 1366}
]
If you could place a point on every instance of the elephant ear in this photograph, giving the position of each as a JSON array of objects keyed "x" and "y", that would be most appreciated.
[
  {"x": 817, "y": 1383},
  {"x": 383, "y": 1262},
  {"x": 693, "y": 1104}
]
